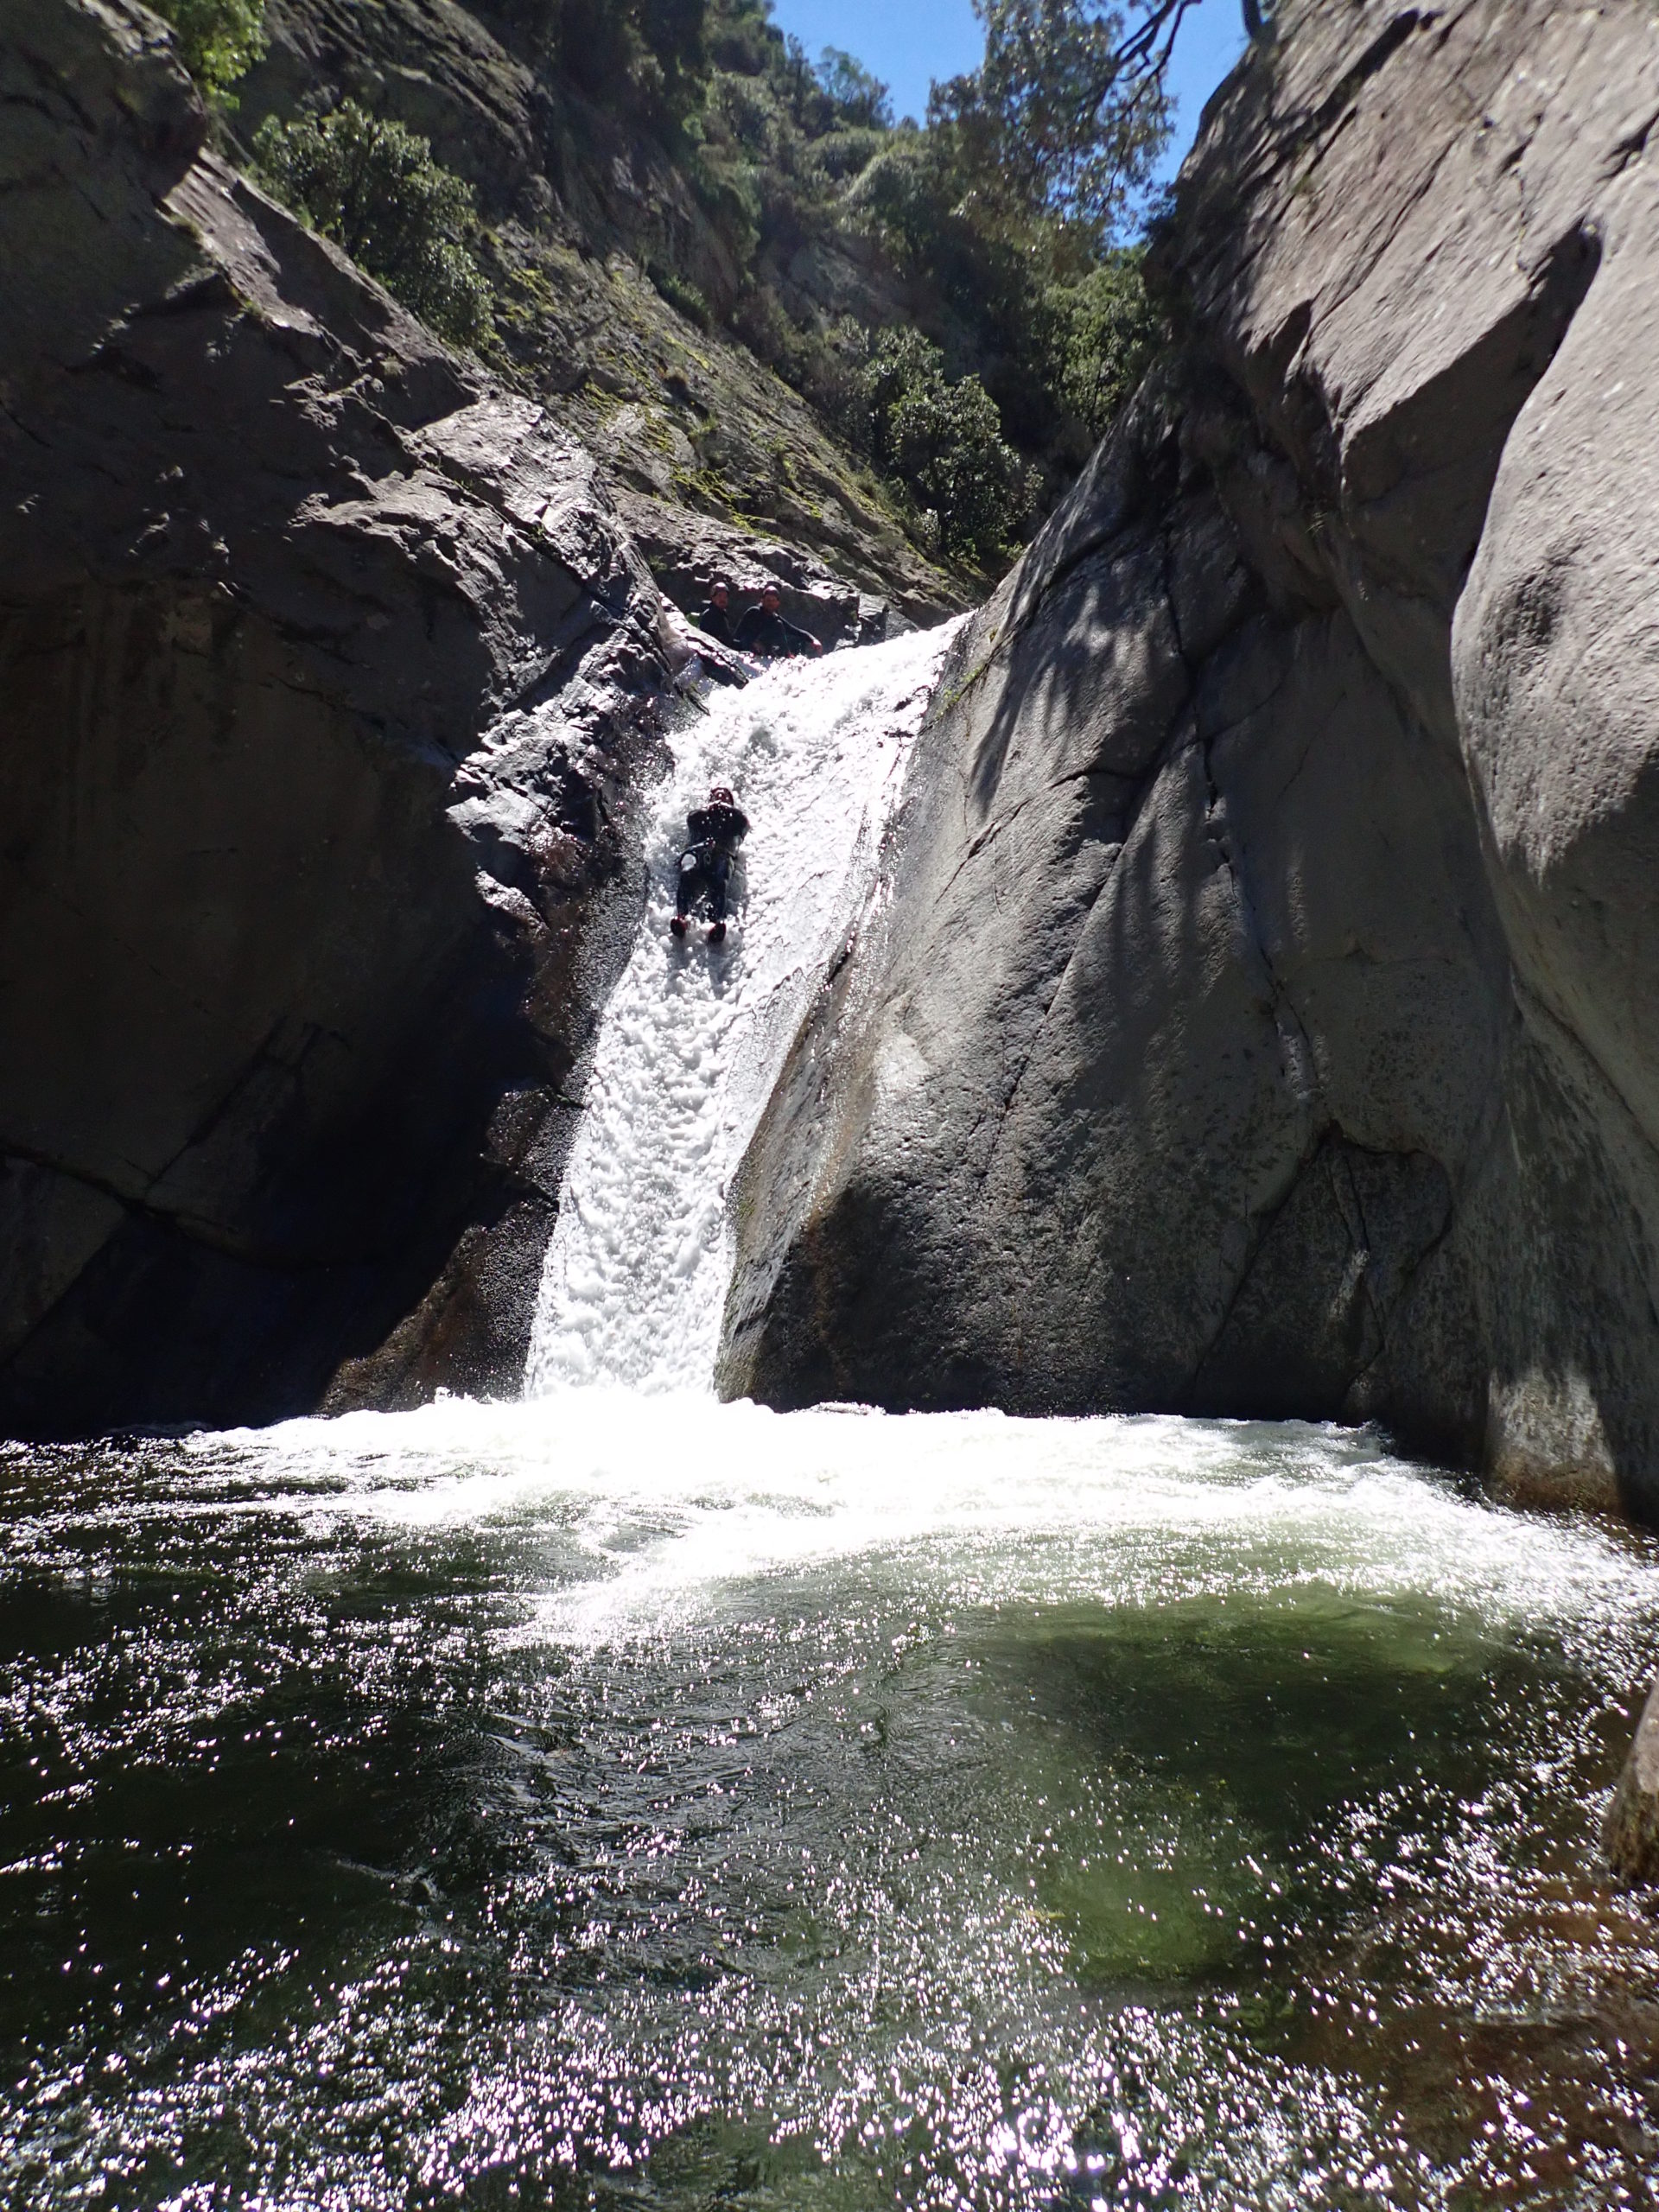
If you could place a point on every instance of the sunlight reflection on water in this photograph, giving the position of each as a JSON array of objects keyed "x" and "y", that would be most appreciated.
[{"x": 630, "y": 1800}]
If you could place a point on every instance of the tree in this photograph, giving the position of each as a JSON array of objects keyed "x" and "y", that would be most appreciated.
[
  {"x": 373, "y": 186},
  {"x": 1069, "y": 110},
  {"x": 943, "y": 442},
  {"x": 219, "y": 40},
  {"x": 857, "y": 94},
  {"x": 1106, "y": 334}
]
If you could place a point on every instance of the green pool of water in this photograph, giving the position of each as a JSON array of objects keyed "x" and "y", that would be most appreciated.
[{"x": 630, "y": 1802}]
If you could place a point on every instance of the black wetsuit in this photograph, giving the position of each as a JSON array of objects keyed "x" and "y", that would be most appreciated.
[
  {"x": 716, "y": 622},
  {"x": 764, "y": 631},
  {"x": 716, "y": 832}
]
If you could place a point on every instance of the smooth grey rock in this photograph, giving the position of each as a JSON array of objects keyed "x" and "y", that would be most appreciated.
[
  {"x": 1255, "y": 1017},
  {"x": 686, "y": 553}
]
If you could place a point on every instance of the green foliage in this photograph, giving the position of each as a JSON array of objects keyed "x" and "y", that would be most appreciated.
[
  {"x": 374, "y": 186},
  {"x": 1107, "y": 332},
  {"x": 1063, "y": 111},
  {"x": 843, "y": 154},
  {"x": 819, "y": 222},
  {"x": 682, "y": 295},
  {"x": 903, "y": 192},
  {"x": 859, "y": 97},
  {"x": 646, "y": 57},
  {"x": 997, "y": 217},
  {"x": 219, "y": 40},
  {"x": 942, "y": 442},
  {"x": 742, "y": 37}
]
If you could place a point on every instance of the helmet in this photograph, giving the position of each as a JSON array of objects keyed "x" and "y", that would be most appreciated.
[{"x": 718, "y": 796}]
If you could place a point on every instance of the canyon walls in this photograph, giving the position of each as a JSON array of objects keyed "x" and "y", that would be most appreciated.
[
  {"x": 325, "y": 667},
  {"x": 1259, "y": 1017},
  {"x": 1256, "y": 1015}
]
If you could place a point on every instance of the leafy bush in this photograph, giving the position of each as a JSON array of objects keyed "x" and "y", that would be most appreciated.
[
  {"x": 859, "y": 98},
  {"x": 943, "y": 443},
  {"x": 1108, "y": 332},
  {"x": 219, "y": 40},
  {"x": 741, "y": 36},
  {"x": 682, "y": 295},
  {"x": 754, "y": 118},
  {"x": 843, "y": 154},
  {"x": 373, "y": 186},
  {"x": 900, "y": 194},
  {"x": 760, "y": 320}
]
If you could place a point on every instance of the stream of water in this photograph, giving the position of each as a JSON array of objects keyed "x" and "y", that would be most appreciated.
[
  {"x": 694, "y": 1035},
  {"x": 617, "y": 1799}
]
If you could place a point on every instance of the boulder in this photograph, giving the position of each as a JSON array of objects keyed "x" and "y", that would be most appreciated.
[
  {"x": 1252, "y": 1019},
  {"x": 325, "y": 671},
  {"x": 1631, "y": 1836},
  {"x": 686, "y": 552}
]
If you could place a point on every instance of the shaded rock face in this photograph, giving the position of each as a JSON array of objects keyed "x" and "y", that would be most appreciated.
[
  {"x": 324, "y": 673},
  {"x": 1260, "y": 1020},
  {"x": 1630, "y": 1831}
]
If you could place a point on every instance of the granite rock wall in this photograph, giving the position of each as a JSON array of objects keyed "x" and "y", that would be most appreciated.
[{"x": 1258, "y": 1015}]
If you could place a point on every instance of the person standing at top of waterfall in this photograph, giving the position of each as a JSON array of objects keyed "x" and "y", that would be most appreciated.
[
  {"x": 716, "y": 831},
  {"x": 762, "y": 630},
  {"x": 715, "y": 619}
]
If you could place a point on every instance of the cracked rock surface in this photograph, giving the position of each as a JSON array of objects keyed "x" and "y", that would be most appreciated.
[
  {"x": 1259, "y": 1017},
  {"x": 325, "y": 671}
]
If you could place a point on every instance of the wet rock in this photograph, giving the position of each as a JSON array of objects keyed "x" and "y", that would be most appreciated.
[
  {"x": 686, "y": 553},
  {"x": 1631, "y": 1837},
  {"x": 325, "y": 674},
  {"x": 1256, "y": 1023}
]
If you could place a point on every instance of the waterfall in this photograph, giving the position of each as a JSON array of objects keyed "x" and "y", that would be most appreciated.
[{"x": 694, "y": 1036}]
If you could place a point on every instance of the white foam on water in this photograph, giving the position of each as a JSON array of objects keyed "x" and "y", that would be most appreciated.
[
  {"x": 672, "y": 1507},
  {"x": 664, "y": 1509},
  {"x": 694, "y": 1036}
]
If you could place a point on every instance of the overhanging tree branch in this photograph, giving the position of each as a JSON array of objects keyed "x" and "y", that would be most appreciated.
[{"x": 1070, "y": 108}]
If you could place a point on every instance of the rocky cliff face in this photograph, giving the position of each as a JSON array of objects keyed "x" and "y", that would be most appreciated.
[
  {"x": 324, "y": 672},
  {"x": 717, "y": 464},
  {"x": 1261, "y": 1020}
]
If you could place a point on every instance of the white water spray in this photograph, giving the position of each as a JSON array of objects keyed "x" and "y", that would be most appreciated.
[{"x": 694, "y": 1037}]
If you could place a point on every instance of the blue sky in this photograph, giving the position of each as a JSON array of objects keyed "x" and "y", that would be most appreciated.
[{"x": 909, "y": 42}]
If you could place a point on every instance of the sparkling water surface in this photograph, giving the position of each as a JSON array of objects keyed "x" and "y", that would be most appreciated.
[
  {"x": 626, "y": 1800},
  {"x": 620, "y": 1800}
]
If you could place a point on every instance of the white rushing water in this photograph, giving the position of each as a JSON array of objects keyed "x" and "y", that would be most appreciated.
[
  {"x": 668, "y": 1508},
  {"x": 616, "y": 1797},
  {"x": 695, "y": 1035}
]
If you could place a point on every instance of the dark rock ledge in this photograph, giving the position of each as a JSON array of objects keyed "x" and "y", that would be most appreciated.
[{"x": 325, "y": 676}]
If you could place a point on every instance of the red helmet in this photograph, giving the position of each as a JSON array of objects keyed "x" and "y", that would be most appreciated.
[{"x": 718, "y": 796}]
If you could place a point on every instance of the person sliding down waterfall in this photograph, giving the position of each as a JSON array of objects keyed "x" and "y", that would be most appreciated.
[{"x": 715, "y": 830}]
